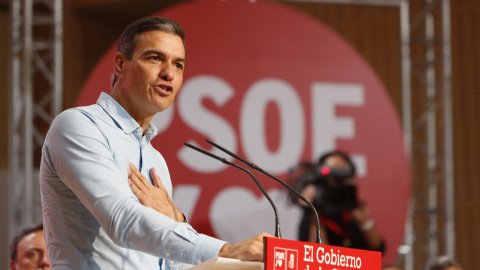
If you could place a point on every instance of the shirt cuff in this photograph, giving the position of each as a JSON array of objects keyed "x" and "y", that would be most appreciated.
[{"x": 207, "y": 248}]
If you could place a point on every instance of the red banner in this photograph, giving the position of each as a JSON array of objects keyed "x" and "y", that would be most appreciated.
[
  {"x": 281, "y": 254},
  {"x": 276, "y": 87}
]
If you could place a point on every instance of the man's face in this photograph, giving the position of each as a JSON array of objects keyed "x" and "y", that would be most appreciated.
[
  {"x": 154, "y": 75},
  {"x": 31, "y": 253}
]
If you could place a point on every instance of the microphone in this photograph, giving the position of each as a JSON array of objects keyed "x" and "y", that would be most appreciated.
[
  {"x": 278, "y": 234},
  {"x": 318, "y": 238}
]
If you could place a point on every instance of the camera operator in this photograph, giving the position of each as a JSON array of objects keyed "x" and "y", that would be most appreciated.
[{"x": 330, "y": 187}]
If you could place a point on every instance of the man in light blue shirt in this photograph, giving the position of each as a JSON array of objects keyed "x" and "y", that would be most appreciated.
[{"x": 92, "y": 219}]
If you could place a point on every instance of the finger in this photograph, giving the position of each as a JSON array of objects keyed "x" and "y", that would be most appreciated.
[
  {"x": 247, "y": 251},
  {"x": 134, "y": 188},
  {"x": 135, "y": 181},
  {"x": 138, "y": 193},
  {"x": 135, "y": 171},
  {"x": 264, "y": 234},
  {"x": 156, "y": 179},
  {"x": 144, "y": 196},
  {"x": 132, "y": 179},
  {"x": 138, "y": 177},
  {"x": 256, "y": 256}
]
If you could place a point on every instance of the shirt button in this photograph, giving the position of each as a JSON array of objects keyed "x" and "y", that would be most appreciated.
[{"x": 167, "y": 254}]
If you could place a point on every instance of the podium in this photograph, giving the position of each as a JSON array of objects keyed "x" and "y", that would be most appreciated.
[
  {"x": 281, "y": 254},
  {"x": 224, "y": 263}
]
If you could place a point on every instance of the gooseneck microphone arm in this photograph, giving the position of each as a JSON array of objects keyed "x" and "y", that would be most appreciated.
[
  {"x": 278, "y": 234},
  {"x": 318, "y": 238}
]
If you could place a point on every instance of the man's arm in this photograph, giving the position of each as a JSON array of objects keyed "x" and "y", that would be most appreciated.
[
  {"x": 157, "y": 198},
  {"x": 80, "y": 154}
]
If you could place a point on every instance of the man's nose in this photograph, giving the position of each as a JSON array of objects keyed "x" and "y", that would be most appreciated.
[
  {"x": 45, "y": 261},
  {"x": 167, "y": 72}
]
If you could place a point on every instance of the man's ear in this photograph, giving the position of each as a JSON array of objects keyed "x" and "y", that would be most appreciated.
[
  {"x": 120, "y": 64},
  {"x": 13, "y": 263}
]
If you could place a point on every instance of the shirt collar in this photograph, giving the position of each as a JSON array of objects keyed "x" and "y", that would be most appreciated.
[{"x": 122, "y": 117}]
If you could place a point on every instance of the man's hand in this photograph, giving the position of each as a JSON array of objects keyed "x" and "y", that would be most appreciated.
[
  {"x": 155, "y": 197},
  {"x": 248, "y": 250}
]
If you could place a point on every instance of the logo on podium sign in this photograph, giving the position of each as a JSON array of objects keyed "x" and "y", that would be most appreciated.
[
  {"x": 292, "y": 258},
  {"x": 285, "y": 259},
  {"x": 280, "y": 254}
]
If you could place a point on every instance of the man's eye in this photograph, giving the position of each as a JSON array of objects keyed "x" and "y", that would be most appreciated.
[
  {"x": 154, "y": 58},
  {"x": 179, "y": 66},
  {"x": 34, "y": 254}
]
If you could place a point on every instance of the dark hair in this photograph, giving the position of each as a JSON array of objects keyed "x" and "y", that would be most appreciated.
[
  {"x": 342, "y": 154},
  {"x": 128, "y": 39},
  {"x": 443, "y": 262},
  {"x": 18, "y": 238}
]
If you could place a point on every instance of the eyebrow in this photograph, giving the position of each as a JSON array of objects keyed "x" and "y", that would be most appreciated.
[
  {"x": 35, "y": 249},
  {"x": 178, "y": 59}
]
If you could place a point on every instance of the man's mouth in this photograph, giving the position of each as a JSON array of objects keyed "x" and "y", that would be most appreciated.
[{"x": 164, "y": 89}]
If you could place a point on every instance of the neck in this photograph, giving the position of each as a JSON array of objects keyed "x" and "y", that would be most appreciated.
[{"x": 141, "y": 117}]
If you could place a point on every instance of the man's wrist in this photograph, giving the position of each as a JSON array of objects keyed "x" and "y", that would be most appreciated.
[{"x": 224, "y": 251}]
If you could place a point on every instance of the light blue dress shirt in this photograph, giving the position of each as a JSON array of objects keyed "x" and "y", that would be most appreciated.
[{"x": 92, "y": 220}]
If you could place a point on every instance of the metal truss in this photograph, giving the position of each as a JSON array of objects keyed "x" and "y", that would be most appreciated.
[
  {"x": 35, "y": 98},
  {"x": 431, "y": 131}
]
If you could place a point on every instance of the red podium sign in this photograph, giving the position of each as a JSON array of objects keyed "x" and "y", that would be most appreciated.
[{"x": 281, "y": 254}]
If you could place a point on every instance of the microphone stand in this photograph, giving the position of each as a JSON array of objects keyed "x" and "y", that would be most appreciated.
[
  {"x": 278, "y": 234},
  {"x": 318, "y": 238}
]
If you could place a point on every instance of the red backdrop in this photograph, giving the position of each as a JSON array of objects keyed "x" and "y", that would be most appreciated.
[{"x": 276, "y": 87}]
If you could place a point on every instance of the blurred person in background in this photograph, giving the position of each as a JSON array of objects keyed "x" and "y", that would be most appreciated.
[
  {"x": 28, "y": 250},
  {"x": 330, "y": 186},
  {"x": 444, "y": 263}
]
